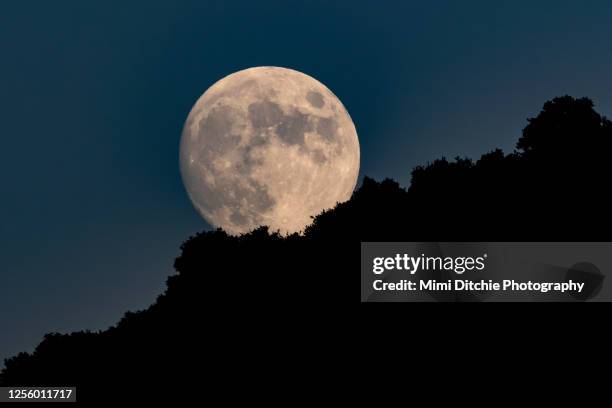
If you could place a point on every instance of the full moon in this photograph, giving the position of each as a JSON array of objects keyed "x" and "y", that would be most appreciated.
[{"x": 268, "y": 146}]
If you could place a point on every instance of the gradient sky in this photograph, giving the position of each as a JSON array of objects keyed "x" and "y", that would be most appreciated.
[{"x": 93, "y": 96}]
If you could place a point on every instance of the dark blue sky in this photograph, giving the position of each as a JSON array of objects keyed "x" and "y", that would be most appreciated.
[{"x": 94, "y": 95}]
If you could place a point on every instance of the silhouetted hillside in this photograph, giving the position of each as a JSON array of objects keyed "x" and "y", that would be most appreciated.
[{"x": 230, "y": 297}]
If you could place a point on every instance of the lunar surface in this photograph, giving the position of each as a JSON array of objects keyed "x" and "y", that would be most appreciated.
[{"x": 268, "y": 146}]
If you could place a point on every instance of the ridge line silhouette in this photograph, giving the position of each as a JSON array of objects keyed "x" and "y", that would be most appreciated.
[{"x": 553, "y": 187}]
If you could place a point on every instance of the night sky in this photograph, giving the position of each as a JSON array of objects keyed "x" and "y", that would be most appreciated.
[{"x": 93, "y": 98}]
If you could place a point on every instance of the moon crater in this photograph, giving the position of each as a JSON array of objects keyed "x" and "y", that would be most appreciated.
[{"x": 268, "y": 146}]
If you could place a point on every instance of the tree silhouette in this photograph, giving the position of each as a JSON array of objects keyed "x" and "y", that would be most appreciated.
[
  {"x": 566, "y": 127},
  {"x": 220, "y": 303}
]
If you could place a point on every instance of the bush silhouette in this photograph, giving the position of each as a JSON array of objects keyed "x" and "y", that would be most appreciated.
[{"x": 230, "y": 292}]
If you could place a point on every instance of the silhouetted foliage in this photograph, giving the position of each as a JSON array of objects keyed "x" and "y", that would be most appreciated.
[
  {"x": 553, "y": 188},
  {"x": 566, "y": 128}
]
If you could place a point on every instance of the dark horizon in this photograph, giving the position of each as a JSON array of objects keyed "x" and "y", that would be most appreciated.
[{"x": 240, "y": 303}]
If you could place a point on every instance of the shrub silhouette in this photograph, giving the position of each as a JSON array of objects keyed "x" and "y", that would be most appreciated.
[{"x": 229, "y": 292}]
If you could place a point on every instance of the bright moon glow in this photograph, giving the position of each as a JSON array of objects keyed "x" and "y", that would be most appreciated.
[{"x": 268, "y": 146}]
